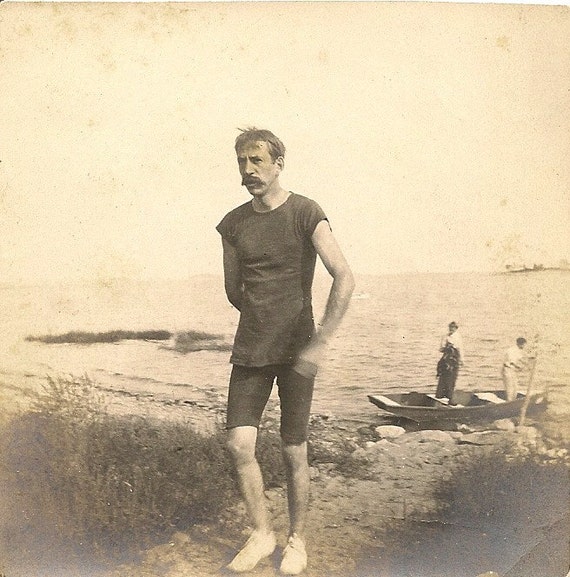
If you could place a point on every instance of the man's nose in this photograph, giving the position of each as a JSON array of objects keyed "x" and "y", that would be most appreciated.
[{"x": 249, "y": 167}]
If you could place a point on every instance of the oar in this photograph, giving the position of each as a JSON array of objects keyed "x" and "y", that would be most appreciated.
[{"x": 529, "y": 388}]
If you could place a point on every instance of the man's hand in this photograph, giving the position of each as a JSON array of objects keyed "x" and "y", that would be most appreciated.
[
  {"x": 309, "y": 360},
  {"x": 306, "y": 369}
]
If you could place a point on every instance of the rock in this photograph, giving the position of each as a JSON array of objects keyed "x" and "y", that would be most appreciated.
[
  {"x": 409, "y": 439},
  {"x": 529, "y": 433},
  {"x": 314, "y": 472},
  {"x": 382, "y": 444},
  {"x": 324, "y": 416},
  {"x": 389, "y": 431},
  {"x": 379, "y": 448},
  {"x": 438, "y": 436},
  {"x": 359, "y": 455},
  {"x": 180, "y": 538},
  {"x": 326, "y": 468},
  {"x": 554, "y": 454},
  {"x": 465, "y": 428},
  {"x": 504, "y": 425},
  {"x": 483, "y": 438}
]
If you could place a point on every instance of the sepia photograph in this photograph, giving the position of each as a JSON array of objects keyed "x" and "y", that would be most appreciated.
[{"x": 361, "y": 208}]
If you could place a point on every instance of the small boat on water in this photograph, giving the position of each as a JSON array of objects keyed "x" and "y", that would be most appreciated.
[{"x": 467, "y": 407}]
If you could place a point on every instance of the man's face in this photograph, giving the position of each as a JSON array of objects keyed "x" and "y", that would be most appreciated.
[{"x": 258, "y": 171}]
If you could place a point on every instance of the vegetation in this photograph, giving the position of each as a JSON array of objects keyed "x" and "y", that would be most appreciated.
[
  {"x": 184, "y": 342},
  {"x": 87, "y": 338},
  {"x": 516, "y": 486},
  {"x": 487, "y": 507},
  {"x": 85, "y": 483},
  {"x": 111, "y": 485}
]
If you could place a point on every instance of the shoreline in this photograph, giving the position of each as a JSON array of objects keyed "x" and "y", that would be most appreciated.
[
  {"x": 360, "y": 522},
  {"x": 372, "y": 491}
]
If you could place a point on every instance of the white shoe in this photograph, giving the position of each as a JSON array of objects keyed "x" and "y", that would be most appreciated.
[
  {"x": 294, "y": 557},
  {"x": 256, "y": 548}
]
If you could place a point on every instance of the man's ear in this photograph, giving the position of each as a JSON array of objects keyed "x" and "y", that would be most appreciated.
[{"x": 280, "y": 162}]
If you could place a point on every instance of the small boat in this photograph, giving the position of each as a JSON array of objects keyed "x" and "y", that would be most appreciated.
[{"x": 478, "y": 406}]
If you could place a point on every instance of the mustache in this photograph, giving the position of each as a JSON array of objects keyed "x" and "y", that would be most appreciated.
[{"x": 246, "y": 181}]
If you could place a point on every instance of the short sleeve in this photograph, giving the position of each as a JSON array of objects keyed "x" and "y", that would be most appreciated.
[
  {"x": 227, "y": 229},
  {"x": 311, "y": 215}
]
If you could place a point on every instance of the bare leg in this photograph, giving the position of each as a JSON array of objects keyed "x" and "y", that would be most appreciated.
[
  {"x": 298, "y": 482},
  {"x": 241, "y": 443},
  {"x": 294, "y": 559},
  {"x": 261, "y": 544}
]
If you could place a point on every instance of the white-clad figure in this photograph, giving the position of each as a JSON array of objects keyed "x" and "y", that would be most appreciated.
[{"x": 512, "y": 364}]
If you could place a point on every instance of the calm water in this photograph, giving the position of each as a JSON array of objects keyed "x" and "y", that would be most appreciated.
[{"x": 388, "y": 342}]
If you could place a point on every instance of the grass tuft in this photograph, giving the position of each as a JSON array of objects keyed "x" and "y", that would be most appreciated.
[
  {"x": 112, "y": 484},
  {"x": 502, "y": 510},
  {"x": 505, "y": 486}
]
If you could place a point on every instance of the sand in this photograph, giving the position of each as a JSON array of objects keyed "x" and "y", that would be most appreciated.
[{"x": 385, "y": 523}]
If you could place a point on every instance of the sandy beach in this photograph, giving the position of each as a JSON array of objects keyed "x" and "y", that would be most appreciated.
[
  {"x": 375, "y": 514},
  {"x": 386, "y": 524}
]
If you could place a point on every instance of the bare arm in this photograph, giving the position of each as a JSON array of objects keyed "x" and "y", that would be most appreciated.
[
  {"x": 232, "y": 275},
  {"x": 338, "y": 300}
]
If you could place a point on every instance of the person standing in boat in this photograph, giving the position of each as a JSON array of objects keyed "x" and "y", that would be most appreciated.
[
  {"x": 512, "y": 364},
  {"x": 448, "y": 366}
]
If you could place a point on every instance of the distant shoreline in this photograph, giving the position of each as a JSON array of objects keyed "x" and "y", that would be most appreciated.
[{"x": 536, "y": 269}]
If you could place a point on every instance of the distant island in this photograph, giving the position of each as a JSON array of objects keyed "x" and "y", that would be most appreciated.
[{"x": 564, "y": 266}]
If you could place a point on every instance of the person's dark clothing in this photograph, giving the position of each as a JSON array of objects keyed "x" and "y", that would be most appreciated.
[
  {"x": 277, "y": 259},
  {"x": 447, "y": 370}
]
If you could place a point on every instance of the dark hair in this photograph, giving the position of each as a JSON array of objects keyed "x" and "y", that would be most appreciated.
[
  {"x": 521, "y": 341},
  {"x": 453, "y": 324},
  {"x": 253, "y": 134}
]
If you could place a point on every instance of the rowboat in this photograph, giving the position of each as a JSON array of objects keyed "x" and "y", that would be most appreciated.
[{"x": 478, "y": 406}]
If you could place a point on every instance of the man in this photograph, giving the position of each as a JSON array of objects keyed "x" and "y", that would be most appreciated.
[
  {"x": 269, "y": 252},
  {"x": 448, "y": 366},
  {"x": 512, "y": 363}
]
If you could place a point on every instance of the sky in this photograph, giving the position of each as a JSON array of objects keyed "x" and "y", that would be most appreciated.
[{"x": 436, "y": 137}]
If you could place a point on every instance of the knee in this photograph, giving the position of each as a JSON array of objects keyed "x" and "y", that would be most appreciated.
[{"x": 241, "y": 450}]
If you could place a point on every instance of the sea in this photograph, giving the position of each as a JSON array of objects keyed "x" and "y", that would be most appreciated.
[{"x": 388, "y": 341}]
